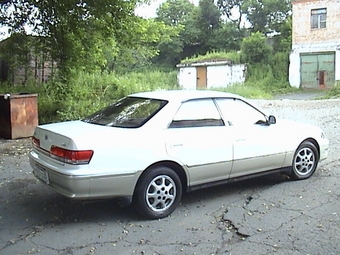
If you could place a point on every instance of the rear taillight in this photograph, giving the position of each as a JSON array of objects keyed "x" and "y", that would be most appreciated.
[
  {"x": 70, "y": 156},
  {"x": 35, "y": 142}
]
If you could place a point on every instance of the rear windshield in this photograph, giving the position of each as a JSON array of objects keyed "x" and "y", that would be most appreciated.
[{"x": 129, "y": 112}]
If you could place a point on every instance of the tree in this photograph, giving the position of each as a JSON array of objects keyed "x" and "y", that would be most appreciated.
[
  {"x": 229, "y": 8},
  {"x": 226, "y": 38},
  {"x": 201, "y": 30},
  {"x": 283, "y": 40},
  {"x": 158, "y": 41},
  {"x": 210, "y": 16},
  {"x": 265, "y": 16},
  {"x": 201, "y": 25},
  {"x": 174, "y": 12},
  {"x": 255, "y": 49},
  {"x": 79, "y": 33}
]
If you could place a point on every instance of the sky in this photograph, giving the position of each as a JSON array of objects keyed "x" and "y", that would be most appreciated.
[{"x": 149, "y": 11}]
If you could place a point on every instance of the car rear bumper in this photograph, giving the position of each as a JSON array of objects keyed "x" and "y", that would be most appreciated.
[{"x": 83, "y": 186}]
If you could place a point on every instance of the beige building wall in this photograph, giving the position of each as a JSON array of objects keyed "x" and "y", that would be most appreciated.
[{"x": 302, "y": 31}]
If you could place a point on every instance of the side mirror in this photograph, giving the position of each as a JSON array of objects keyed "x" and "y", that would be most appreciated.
[{"x": 271, "y": 120}]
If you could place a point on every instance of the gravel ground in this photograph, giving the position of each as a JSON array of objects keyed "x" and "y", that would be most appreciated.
[{"x": 322, "y": 113}]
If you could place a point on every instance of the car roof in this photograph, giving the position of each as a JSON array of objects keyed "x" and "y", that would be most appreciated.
[{"x": 183, "y": 95}]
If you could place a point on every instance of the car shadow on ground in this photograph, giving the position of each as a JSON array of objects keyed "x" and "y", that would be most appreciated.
[
  {"x": 44, "y": 206},
  {"x": 231, "y": 188}
]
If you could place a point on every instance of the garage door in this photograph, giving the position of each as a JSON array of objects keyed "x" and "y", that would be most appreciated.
[{"x": 317, "y": 70}]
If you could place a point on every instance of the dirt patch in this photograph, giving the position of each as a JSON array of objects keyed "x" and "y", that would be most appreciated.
[{"x": 15, "y": 147}]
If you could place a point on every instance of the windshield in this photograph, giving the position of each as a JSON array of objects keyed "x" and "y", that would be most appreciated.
[{"x": 129, "y": 112}]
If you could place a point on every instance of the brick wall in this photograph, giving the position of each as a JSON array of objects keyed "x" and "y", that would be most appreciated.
[{"x": 302, "y": 31}]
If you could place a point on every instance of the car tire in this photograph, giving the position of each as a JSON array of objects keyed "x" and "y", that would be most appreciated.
[
  {"x": 305, "y": 161},
  {"x": 158, "y": 193}
]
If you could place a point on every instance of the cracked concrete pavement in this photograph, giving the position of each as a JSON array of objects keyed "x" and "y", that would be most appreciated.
[{"x": 268, "y": 215}]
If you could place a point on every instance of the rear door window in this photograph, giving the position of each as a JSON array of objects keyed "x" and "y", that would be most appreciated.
[{"x": 197, "y": 113}]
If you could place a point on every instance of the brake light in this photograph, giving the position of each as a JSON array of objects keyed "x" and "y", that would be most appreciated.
[
  {"x": 35, "y": 142},
  {"x": 70, "y": 156}
]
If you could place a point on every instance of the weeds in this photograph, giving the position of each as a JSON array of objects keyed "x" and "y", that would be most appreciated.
[
  {"x": 86, "y": 93},
  {"x": 233, "y": 56}
]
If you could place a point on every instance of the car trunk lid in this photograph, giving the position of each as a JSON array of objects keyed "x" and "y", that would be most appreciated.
[{"x": 76, "y": 135}]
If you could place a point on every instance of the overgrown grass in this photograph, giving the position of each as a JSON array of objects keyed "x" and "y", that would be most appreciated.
[
  {"x": 333, "y": 93},
  {"x": 246, "y": 91},
  {"x": 233, "y": 56},
  {"x": 86, "y": 93}
]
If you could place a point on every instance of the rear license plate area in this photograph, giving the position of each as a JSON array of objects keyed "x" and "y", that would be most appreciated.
[{"x": 41, "y": 173}]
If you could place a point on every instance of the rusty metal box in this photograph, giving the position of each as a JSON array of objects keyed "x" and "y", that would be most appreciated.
[{"x": 18, "y": 115}]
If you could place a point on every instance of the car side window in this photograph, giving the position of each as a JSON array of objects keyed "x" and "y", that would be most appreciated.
[
  {"x": 197, "y": 113},
  {"x": 237, "y": 112}
]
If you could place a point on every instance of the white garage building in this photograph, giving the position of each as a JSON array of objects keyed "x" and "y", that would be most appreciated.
[{"x": 210, "y": 74}]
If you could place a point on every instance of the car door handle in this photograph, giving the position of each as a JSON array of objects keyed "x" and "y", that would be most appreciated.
[{"x": 240, "y": 140}]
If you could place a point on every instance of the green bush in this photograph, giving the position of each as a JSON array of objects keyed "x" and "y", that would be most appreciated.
[
  {"x": 334, "y": 92},
  {"x": 255, "y": 49},
  {"x": 91, "y": 92},
  {"x": 266, "y": 78},
  {"x": 85, "y": 93},
  {"x": 280, "y": 63}
]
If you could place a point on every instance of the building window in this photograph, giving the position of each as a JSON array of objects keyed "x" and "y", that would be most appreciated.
[{"x": 318, "y": 18}]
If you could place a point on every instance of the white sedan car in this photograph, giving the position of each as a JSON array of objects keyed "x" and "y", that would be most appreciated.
[{"x": 152, "y": 147}]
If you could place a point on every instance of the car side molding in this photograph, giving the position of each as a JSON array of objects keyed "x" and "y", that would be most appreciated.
[{"x": 283, "y": 171}]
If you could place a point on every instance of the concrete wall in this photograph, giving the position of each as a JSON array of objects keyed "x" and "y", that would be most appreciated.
[
  {"x": 218, "y": 76},
  {"x": 186, "y": 77}
]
